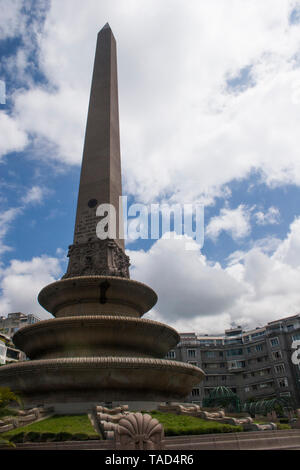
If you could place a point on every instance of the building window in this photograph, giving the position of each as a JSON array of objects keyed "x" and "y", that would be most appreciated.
[
  {"x": 247, "y": 389},
  {"x": 295, "y": 337},
  {"x": 210, "y": 354},
  {"x": 279, "y": 369},
  {"x": 195, "y": 392},
  {"x": 274, "y": 342},
  {"x": 259, "y": 347},
  {"x": 248, "y": 350},
  {"x": 234, "y": 352},
  {"x": 283, "y": 383},
  {"x": 277, "y": 355},
  {"x": 212, "y": 366},
  {"x": 223, "y": 377},
  {"x": 285, "y": 394},
  {"x": 171, "y": 355},
  {"x": 266, "y": 385},
  {"x": 236, "y": 364},
  {"x": 191, "y": 352}
]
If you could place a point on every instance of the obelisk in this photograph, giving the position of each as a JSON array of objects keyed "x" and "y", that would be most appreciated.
[{"x": 100, "y": 180}]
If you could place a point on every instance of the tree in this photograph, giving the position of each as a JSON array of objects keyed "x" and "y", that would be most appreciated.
[{"x": 6, "y": 398}]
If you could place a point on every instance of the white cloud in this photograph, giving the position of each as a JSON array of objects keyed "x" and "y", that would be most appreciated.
[
  {"x": 187, "y": 284},
  {"x": 11, "y": 18},
  {"x": 6, "y": 219},
  {"x": 22, "y": 281},
  {"x": 13, "y": 138},
  {"x": 194, "y": 294},
  {"x": 234, "y": 221},
  {"x": 270, "y": 217},
  {"x": 183, "y": 133},
  {"x": 34, "y": 195}
]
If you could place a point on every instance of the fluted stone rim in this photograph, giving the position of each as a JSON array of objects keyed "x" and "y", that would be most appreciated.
[
  {"x": 100, "y": 362},
  {"x": 88, "y": 279},
  {"x": 98, "y": 319},
  {"x": 138, "y": 296}
]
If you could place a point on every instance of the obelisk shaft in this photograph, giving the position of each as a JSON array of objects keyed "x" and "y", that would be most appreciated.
[
  {"x": 101, "y": 164},
  {"x": 100, "y": 180}
]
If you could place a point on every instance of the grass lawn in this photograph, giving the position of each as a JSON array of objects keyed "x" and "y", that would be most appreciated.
[
  {"x": 176, "y": 425},
  {"x": 72, "y": 425}
]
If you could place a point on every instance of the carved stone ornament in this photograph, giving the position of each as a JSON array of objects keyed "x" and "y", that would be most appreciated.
[
  {"x": 97, "y": 258},
  {"x": 139, "y": 431}
]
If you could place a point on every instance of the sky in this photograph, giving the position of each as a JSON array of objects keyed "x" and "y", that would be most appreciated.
[{"x": 209, "y": 98}]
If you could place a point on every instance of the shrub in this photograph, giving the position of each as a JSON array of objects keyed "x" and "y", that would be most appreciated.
[
  {"x": 17, "y": 438},
  {"x": 189, "y": 431},
  {"x": 47, "y": 437},
  {"x": 63, "y": 436},
  {"x": 282, "y": 426},
  {"x": 284, "y": 420},
  {"x": 94, "y": 437},
  {"x": 80, "y": 436},
  {"x": 32, "y": 436}
]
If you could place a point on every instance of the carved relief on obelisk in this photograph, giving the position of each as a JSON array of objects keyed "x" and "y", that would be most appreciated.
[{"x": 100, "y": 180}]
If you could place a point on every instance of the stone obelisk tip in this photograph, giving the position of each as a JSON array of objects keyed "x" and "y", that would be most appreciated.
[{"x": 106, "y": 26}]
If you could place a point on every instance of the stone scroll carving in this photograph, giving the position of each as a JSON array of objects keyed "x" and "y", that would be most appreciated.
[{"x": 97, "y": 258}]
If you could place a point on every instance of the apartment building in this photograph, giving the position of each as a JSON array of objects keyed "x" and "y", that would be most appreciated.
[
  {"x": 253, "y": 364},
  {"x": 14, "y": 321},
  {"x": 8, "y": 352}
]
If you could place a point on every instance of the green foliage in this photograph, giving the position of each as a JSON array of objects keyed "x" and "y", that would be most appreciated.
[
  {"x": 178, "y": 425},
  {"x": 17, "y": 438},
  {"x": 80, "y": 436},
  {"x": 47, "y": 436},
  {"x": 284, "y": 420},
  {"x": 63, "y": 436},
  {"x": 7, "y": 411},
  {"x": 7, "y": 397},
  {"x": 282, "y": 426},
  {"x": 6, "y": 442},
  {"x": 32, "y": 436}
]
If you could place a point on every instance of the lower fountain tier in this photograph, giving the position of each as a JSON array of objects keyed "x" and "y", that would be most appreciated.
[
  {"x": 99, "y": 379},
  {"x": 86, "y": 336}
]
